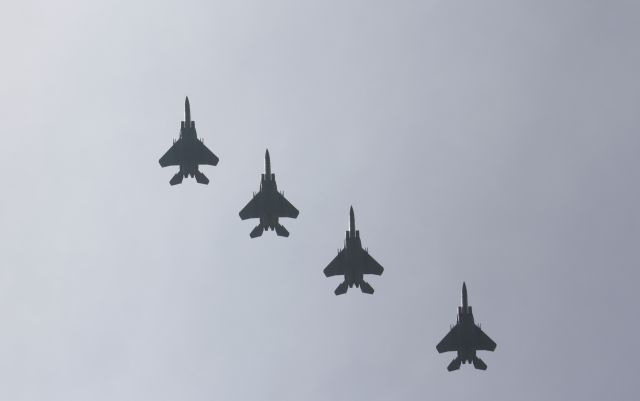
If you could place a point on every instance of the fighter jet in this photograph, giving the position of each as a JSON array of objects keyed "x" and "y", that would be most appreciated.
[
  {"x": 353, "y": 262},
  {"x": 268, "y": 205},
  {"x": 188, "y": 152},
  {"x": 466, "y": 338}
]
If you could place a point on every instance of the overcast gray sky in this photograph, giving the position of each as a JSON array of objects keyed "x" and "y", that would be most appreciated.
[{"x": 494, "y": 142}]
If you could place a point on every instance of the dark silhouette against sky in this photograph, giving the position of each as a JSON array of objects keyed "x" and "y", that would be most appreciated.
[{"x": 494, "y": 143}]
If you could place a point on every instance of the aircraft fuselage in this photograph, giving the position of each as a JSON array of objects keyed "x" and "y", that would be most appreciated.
[
  {"x": 354, "y": 255},
  {"x": 467, "y": 352},
  {"x": 269, "y": 190},
  {"x": 188, "y": 152},
  {"x": 188, "y": 146},
  {"x": 466, "y": 338},
  {"x": 268, "y": 205},
  {"x": 353, "y": 262}
]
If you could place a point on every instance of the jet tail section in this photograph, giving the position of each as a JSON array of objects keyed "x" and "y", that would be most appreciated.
[
  {"x": 366, "y": 288},
  {"x": 454, "y": 365},
  {"x": 281, "y": 231},
  {"x": 257, "y": 231},
  {"x": 479, "y": 364},
  {"x": 341, "y": 289},
  {"x": 201, "y": 178},
  {"x": 176, "y": 179}
]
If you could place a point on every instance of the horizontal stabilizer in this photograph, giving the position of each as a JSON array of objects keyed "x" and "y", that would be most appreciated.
[
  {"x": 281, "y": 231},
  {"x": 177, "y": 179},
  {"x": 342, "y": 288},
  {"x": 366, "y": 288},
  {"x": 479, "y": 364},
  {"x": 454, "y": 365},
  {"x": 257, "y": 231},
  {"x": 201, "y": 178}
]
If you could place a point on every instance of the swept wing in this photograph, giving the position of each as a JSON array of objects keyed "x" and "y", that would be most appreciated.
[
  {"x": 283, "y": 208},
  {"x": 482, "y": 341},
  {"x": 337, "y": 267},
  {"x": 173, "y": 155},
  {"x": 198, "y": 154},
  {"x": 371, "y": 266},
  {"x": 203, "y": 155},
  {"x": 450, "y": 342},
  {"x": 253, "y": 209}
]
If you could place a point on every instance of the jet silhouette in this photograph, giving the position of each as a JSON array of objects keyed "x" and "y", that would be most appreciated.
[
  {"x": 268, "y": 205},
  {"x": 466, "y": 338},
  {"x": 353, "y": 262},
  {"x": 188, "y": 152}
]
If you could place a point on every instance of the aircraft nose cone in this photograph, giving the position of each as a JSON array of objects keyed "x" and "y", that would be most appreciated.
[
  {"x": 187, "y": 111},
  {"x": 465, "y": 301},
  {"x": 352, "y": 221},
  {"x": 267, "y": 164}
]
